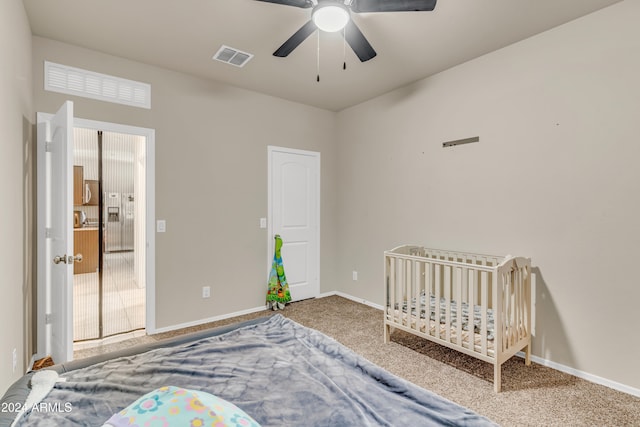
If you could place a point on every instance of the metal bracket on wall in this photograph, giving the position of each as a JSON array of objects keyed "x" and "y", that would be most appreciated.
[{"x": 460, "y": 142}]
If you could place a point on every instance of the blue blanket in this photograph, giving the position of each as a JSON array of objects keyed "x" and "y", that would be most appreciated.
[{"x": 278, "y": 372}]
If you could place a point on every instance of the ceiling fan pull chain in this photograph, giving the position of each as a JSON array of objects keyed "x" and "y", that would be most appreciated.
[
  {"x": 344, "y": 48},
  {"x": 318, "y": 59}
]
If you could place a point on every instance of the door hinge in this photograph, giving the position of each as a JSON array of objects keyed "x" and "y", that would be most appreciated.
[
  {"x": 47, "y": 319},
  {"x": 48, "y": 232},
  {"x": 48, "y": 146}
]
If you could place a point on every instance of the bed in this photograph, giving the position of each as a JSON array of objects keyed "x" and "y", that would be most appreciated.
[
  {"x": 477, "y": 304},
  {"x": 274, "y": 370}
]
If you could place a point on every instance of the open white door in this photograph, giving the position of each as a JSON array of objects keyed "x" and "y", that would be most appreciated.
[
  {"x": 55, "y": 229},
  {"x": 294, "y": 214}
]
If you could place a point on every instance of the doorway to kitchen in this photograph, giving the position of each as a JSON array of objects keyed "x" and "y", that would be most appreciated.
[{"x": 109, "y": 285}]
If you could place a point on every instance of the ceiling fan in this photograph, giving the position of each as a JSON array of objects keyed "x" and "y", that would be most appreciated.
[{"x": 335, "y": 15}]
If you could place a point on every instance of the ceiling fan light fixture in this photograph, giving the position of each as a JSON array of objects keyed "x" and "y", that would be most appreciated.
[{"x": 330, "y": 17}]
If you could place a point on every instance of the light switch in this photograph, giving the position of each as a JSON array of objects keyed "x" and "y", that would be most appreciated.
[
  {"x": 263, "y": 222},
  {"x": 161, "y": 226}
]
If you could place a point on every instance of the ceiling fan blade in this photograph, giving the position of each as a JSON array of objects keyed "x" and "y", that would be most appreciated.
[
  {"x": 297, "y": 3},
  {"x": 358, "y": 42},
  {"x": 287, "y": 47},
  {"x": 364, "y": 6}
]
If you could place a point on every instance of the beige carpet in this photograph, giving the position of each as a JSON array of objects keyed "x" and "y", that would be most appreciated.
[{"x": 531, "y": 396}]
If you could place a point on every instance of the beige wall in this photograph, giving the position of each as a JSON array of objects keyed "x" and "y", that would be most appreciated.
[
  {"x": 211, "y": 177},
  {"x": 16, "y": 116},
  {"x": 554, "y": 177}
]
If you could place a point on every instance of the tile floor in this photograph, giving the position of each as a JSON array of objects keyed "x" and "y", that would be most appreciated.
[{"x": 123, "y": 302}]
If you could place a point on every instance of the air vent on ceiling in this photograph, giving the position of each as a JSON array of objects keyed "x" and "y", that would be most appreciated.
[
  {"x": 232, "y": 56},
  {"x": 79, "y": 82}
]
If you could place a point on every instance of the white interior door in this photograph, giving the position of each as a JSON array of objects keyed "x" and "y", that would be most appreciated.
[
  {"x": 55, "y": 229},
  {"x": 294, "y": 214}
]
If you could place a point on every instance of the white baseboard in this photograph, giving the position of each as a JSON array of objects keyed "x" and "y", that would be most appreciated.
[
  {"x": 209, "y": 320},
  {"x": 352, "y": 298},
  {"x": 539, "y": 360},
  {"x": 583, "y": 375}
]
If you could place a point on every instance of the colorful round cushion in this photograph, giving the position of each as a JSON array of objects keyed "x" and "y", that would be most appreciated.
[{"x": 175, "y": 406}]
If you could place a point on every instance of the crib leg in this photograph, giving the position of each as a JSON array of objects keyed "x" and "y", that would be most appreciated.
[
  {"x": 527, "y": 355},
  {"x": 497, "y": 380},
  {"x": 387, "y": 333}
]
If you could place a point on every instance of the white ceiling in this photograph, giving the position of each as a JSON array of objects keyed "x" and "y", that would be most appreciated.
[{"x": 183, "y": 35}]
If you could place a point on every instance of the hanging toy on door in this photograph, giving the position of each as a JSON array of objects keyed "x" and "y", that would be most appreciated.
[{"x": 278, "y": 294}]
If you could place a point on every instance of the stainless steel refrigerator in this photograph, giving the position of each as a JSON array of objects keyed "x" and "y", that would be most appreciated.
[{"x": 119, "y": 222}]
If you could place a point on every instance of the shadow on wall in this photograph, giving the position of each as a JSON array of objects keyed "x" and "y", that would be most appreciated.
[
  {"x": 28, "y": 236},
  {"x": 550, "y": 341}
]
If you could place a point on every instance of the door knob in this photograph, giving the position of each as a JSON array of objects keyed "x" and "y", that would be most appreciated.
[{"x": 64, "y": 259}]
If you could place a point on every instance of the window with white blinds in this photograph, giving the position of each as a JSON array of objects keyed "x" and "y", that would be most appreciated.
[{"x": 88, "y": 84}]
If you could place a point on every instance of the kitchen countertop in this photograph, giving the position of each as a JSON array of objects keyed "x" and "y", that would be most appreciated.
[{"x": 87, "y": 228}]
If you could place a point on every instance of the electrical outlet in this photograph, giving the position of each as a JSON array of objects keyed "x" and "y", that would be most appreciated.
[
  {"x": 14, "y": 357},
  {"x": 206, "y": 291},
  {"x": 354, "y": 275}
]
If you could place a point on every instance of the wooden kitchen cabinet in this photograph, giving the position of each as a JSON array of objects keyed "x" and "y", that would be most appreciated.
[
  {"x": 85, "y": 242},
  {"x": 78, "y": 185}
]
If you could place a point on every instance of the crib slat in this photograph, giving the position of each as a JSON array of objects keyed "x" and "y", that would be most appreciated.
[
  {"x": 511, "y": 310},
  {"x": 498, "y": 314},
  {"x": 517, "y": 334},
  {"x": 507, "y": 310},
  {"x": 392, "y": 288},
  {"x": 400, "y": 287},
  {"x": 460, "y": 285},
  {"x": 406, "y": 280},
  {"x": 516, "y": 308},
  {"x": 465, "y": 290},
  {"x": 503, "y": 285},
  {"x": 484, "y": 279},
  {"x": 447, "y": 295},
  {"x": 416, "y": 292},
  {"x": 424, "y": 294},
  {"x": 521, "y": 312},
  {"x": 428, "y": 286},
  {"x": 523, "y": 301},
  {"x": 415, "y": 300},
  {"x": 528, "y": 320},
  {"x": 473, "y": 295},
  {"x": 438, "y": 282},
  {"x": 472, "y": 286}
]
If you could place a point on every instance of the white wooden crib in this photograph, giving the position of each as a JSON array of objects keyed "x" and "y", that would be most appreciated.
[{"x": 422, "y": 282}]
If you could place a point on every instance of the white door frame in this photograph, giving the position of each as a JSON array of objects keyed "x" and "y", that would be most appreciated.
[
  {"x": 150, "y": 268},
  {"x": 270, "y": 232}
]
